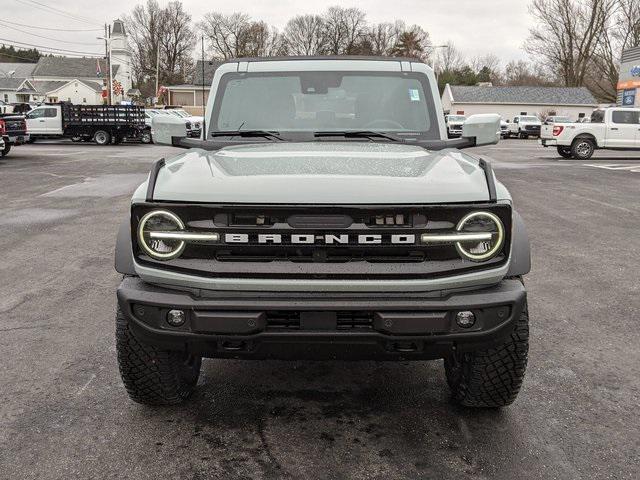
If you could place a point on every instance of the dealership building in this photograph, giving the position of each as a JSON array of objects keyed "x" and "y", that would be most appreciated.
[
  {"x": 629, "y": 80},
  {"x": 508, "y": 102}
]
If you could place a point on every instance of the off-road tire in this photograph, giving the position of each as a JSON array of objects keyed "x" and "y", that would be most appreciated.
[
  {"x": 565, "y": 152},
  {"x": 491, "y": 377},
  {"x": 102, "y": 137},
  {"x": 5, "y": 151},
  {"x": 153, "y": 376},
  {"x": 583, "y": 148}
]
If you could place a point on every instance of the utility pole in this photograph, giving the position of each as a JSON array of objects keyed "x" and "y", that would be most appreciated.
[
  {"x": 106, "y": 57},
  {"x": 110, "y": 70},
  {"x": 157, "y": 70}
]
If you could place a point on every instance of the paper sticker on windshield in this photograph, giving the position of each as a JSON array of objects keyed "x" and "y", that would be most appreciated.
[{"x": 414, "y": 94}]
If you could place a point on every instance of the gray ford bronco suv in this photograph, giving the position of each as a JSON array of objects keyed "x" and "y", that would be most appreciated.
[{"x": 324, "y": 214}]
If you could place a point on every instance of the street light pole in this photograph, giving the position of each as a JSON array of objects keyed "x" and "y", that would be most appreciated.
[
  {"x": 435, "y": 57},
  {"x": 107, "y": 51}
]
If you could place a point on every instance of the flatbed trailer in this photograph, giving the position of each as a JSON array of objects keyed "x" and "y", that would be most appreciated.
[{"x": 103, "y": 124}]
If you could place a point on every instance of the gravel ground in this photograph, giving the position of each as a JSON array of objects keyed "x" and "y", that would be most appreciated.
[{"x": 64, "y": 412}]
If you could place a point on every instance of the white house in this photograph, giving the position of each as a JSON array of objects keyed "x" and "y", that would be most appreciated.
[
  {"x": 511, "y": 101},
  {"x": 77, "y": 80}
]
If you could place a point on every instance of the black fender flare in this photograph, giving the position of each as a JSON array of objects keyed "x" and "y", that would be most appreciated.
[
  {"x": 520, "y": 263},
  {"x": 124, "y": 250},
  {"x": 586, "y": 135}
]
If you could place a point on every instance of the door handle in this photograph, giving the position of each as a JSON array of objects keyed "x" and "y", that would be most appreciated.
[
  {"x": 41, "y": 121},
  {"x": 614, "y": 128}
]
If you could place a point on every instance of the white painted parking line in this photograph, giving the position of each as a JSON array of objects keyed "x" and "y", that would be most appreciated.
[{"x": 616, "y": 166}]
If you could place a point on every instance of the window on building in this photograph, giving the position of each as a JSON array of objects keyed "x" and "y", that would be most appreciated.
[
  {"x": 84, "y": 100},
  {"x": 52, "y": 99},
  {"x": 581, "y": 115},
  {"x": 6, "y": 97},
  {"x": 626, "y": 117},
  {"x": 523, "y": 113}
]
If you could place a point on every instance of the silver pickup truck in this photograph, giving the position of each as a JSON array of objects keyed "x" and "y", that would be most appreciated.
[{"x": 323, "y": 215}]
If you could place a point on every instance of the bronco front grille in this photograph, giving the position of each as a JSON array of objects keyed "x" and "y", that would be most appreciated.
[{"x": 320, "y": 242}]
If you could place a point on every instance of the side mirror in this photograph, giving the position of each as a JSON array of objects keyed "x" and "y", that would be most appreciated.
[
  {"x": 168, "y": 130},
  {"x": 484, "y": 128}
]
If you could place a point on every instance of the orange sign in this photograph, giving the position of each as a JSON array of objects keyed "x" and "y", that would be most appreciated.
[{"x": 628, "y": 84}]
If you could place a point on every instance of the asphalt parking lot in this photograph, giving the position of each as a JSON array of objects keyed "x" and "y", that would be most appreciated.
[{"x": 65, "y": 414}]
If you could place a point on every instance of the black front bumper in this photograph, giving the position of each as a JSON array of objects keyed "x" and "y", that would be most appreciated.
[{"x": 278, "y": 325}]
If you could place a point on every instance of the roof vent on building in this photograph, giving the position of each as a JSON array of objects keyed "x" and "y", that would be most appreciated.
[{"x": 484, "y": 84}]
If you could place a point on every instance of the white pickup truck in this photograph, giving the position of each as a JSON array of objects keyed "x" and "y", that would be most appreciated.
[
  {"x": 612, "y": 128},
  {"x": 524, "y": 126}
]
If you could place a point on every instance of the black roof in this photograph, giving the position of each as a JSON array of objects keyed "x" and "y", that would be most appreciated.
[
  {"x": 523, "y": 95},
  {"x": 210, "y": 67}
]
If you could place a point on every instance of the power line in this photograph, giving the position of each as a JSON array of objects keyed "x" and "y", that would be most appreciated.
[
  {"x": 43, "y": 48},
  {"x": 54, "y": 29},
  {"x": 48, "y": 9},
  {"x": 41, "y": 36},
  {"x": 63, "y": 13}
]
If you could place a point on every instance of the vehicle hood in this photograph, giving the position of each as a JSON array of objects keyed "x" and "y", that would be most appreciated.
[{"x": 322, "y": 173}]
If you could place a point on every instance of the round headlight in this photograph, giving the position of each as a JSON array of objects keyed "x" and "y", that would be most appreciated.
[
  {"x": 157, "y": 222},
  {"x": 481, "y": 222}
]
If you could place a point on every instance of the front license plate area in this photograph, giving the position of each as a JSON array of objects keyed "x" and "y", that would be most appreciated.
[{"x": 318, "y": 321}]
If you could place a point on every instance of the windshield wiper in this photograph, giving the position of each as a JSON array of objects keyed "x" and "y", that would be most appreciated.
[
  {"x": 360, "y": 134},
  {"x": 248, "y": 133}
]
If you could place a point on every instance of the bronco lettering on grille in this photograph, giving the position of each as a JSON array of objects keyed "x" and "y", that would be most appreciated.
[{"x": 326, "y": 239}]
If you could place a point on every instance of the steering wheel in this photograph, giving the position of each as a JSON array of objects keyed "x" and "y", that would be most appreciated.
[{"x": 383, "y": 122}]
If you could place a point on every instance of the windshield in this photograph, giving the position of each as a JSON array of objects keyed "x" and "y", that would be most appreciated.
[
  {"x": 457, "y": 118},
  {"x": 326, "y": 101},
  {"x": 529, "y": 119}
]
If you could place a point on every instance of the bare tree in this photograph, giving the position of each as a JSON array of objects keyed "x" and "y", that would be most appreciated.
[
  {"x": 227, "y": 34},
  {"x": 237, "y": 35},
  {"x": 623, "y": 32},
  {"x": 449, "y": 58},
  {"x": 167, "y": 31},
  {"x": 176, "y": 42},
  {"x": 567, "y": 35},
  {"x": 343, "y": 29},
  {"x": 305, "y": 35},
  {"x": 382, "y": 37},
  {"x": 521, "y": 73}
]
